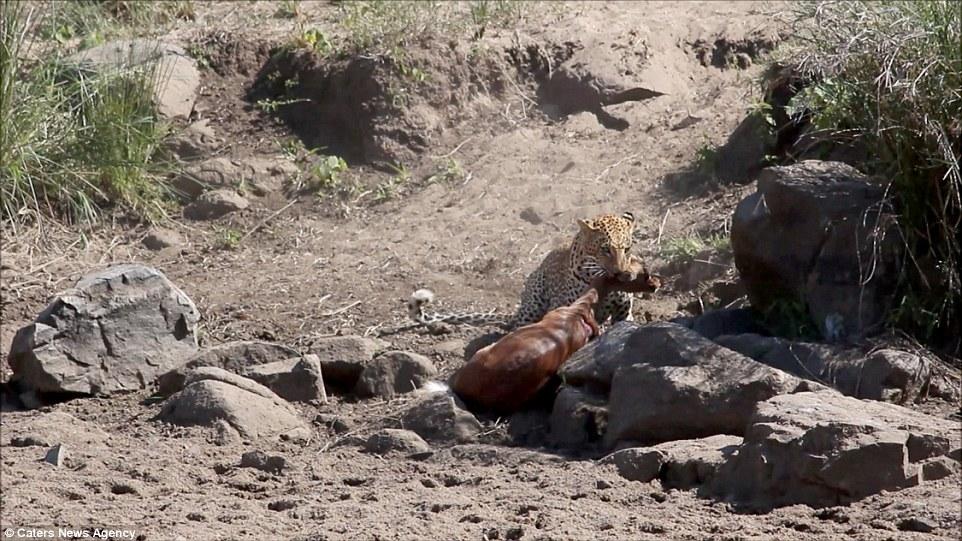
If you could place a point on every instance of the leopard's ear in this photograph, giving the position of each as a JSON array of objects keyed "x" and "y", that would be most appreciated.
[
  {"x": 587, "y": 225},
  {"x": 629, "y": 216}
]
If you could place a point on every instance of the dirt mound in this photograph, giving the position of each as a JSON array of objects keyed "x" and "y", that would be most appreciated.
[
  {"x": 378, "y": 109},
  {"x": 229, "y": 54}
]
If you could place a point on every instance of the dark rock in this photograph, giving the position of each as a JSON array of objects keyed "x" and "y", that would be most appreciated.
[
  {"x": 528, "y": 427},
  {"x": 282, "y": 505},
  {"x": 578, "y": 418},
  {"x": 116, "y": 330},
  {"x": 940, "y": 467},
  {"x": 715, "y": 323},
  {"x": 917, "y": 524},
  {"x": 807, "y": 238},
  {"x": 273, "y": 464},
  {"x": 394, "y": 372},
  {"x": 333, "y": 422},
  {"x": 594, "y": 365},
  {"x": 638, "y": 463},
  {"x": 159, "y": 238}
]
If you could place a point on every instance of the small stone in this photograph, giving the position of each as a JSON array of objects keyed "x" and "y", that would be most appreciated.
[
  {"x": 123, "y": 488},
  {"x": 394, "y": 440},
  {"x": 196, "y": 517},
  {"x": 638, "y": 463},
  {"x": 56, "y": 455},
  {"x": 514, "y": 533},
  {"x": 835, "y": 514},
  {"x": 214, "y": 204},
  {"x": 281, "y": 505},
  {"x": 939, "y": 467},
  {"x": 601, "y": 484},
  {"x": 917, "y": 524},
  {"x": 159, "y": 238},
  {"x": 30, "y": 440},
  {"x": 332, "y": 422},
  {"x": 259, "y": 460},
  {"x": 356, "y": 481}
]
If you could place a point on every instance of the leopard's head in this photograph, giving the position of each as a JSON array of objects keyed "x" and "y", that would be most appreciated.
[{"x": 603, "y": 245}]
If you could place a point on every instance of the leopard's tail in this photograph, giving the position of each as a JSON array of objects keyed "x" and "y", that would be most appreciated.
[{"x": 422, "y": 297}]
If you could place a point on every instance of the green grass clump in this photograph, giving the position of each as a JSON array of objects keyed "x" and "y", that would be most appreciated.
[
  {"x": 384, "y": 26},
  {"x": 73, "y": 142},
  {"x": 686, "y": 248},
  {"x": 94, "y": 21},
  {"x": 889, "y": 76}
]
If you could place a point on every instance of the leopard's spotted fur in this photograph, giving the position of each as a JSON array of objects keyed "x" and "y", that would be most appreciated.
[{"x": 602, "y": 246}]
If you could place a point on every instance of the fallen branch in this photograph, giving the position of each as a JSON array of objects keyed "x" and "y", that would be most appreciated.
[
  {"x": 341, "y": 310},
  {"x": 263, "y": 222}
]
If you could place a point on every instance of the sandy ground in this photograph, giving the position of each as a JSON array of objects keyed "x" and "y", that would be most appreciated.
[{"x": 313, "y": 271}]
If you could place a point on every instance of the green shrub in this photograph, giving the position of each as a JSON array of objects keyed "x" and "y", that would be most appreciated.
[
  {"x": 889, "y": 76},
  {"x": 72, "y": 142}
]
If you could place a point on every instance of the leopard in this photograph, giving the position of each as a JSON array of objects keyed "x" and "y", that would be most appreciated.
[{"x": 602, "y": 246}]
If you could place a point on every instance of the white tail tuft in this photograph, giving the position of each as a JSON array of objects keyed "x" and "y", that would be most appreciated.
[{"x": 432, "y": 387}]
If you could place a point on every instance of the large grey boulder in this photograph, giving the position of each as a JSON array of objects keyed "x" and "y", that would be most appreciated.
[
  {"x": 815, "y": 236},
  {"x": 116, "y": 330},
  {"x": 675, "y": 384},
  {"x": 236, "y": 357},
  {"x": 176, "y": 78},
  {"x": 825, "y": 449},
  {"x": 883, "y": 374},
  {"x": 213, "y": 395}
]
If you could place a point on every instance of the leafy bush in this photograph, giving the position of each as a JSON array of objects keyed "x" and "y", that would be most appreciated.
[
  {"x": 73, "y": 142},
  {"x": 888, "y": 75}
]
